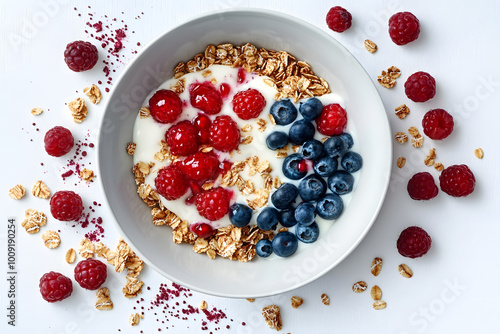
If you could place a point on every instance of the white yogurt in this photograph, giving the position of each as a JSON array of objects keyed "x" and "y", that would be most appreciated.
[{"x": 148, "y": 134}]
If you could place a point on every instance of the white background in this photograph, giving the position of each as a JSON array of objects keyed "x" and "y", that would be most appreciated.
[{"x": 454, "y": 286}]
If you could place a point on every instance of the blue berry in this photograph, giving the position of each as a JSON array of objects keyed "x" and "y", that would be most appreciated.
[
  {"x": 287, "y": 217},
  {"x": 284, "y": 196},
  {"x": 325, "y": 166},
  {"x": 285, "y": 244},
  {"x": 240, "y": 214},
  {"x": 294, "y": 167},
  {"x": 330, "y": 206},
  {"x": 268, "y": 218},
  {"x": 276, "y": 140},
  {"x": 301, "y": 131},
  {"x": 305, "y": 213},
  {"x": 351, "y": 162},
  {"x": 264, "y": 247},
  {"x": 312, "y": 187},
  {"x": 284, "y": 112},
  {"x": 347, "y": 138},
  {"x": 335, "y": 147},
  {"x": 341, "y": 182},
  {"x": 307, "y": 234},
  {"x": 311, "y": 108},
  {"x": 312, "y": 149}
]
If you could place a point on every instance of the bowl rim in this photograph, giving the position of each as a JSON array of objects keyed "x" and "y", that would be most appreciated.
[{"x": 261, "y": 11}]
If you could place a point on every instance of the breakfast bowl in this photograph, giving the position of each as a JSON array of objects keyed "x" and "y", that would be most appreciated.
[{"x": 260, "y": 277}]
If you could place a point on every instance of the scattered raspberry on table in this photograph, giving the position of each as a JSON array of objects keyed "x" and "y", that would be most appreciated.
[
  {"x": 338, "y": 19},
  {"x": 420, "y": 87},
  {"x": 80, "y": 56},
  {"x": 413, "y": 242},
  {"x": 55, "y": 287},
  {"x": 421, "y": 186},
  {"x": 58, "y": 141},
  {"x": 457, "y": 180},
  {"x": 66, "y": 205},
  {"x": 91, "y": 274},
  {"x": 404, "y": 28},
  {"x": 437, "y": 124}
]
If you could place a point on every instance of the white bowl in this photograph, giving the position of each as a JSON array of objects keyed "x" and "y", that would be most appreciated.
[{"x": 155, "y": 64}]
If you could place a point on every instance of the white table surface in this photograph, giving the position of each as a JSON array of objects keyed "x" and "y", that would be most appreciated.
[{"x": 454, "y": 286}]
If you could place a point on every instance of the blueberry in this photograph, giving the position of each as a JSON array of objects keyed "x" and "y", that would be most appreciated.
[
  {"x": 307, "y": 234},
  {"x": 351, "y": 162},
  {"x": 330, "y": 206},
  {"x": 264, "y": 247},
  {"x": 294, "y": 167},
  {"x": 341, "y": 182},
  {"x": 285, "y": 244},
  {"x": 287, "y": 217},
  {"x": 305, "y": 213},
  {"x": 347, "y": 138},
  {"x": 301, "y": 131},
  {"x": 284, "y": 112},
  {"x": 268, "y": 218},
  {"x": 312, "y": 149},
  {"x": 312, "y": 187},
  {"x": 240, "y": 214},
  {"x": 311, "y": 108},
  {"x": 325, "y": 166},
  {"x": 276, "y": 140},
  {"x": 284, "y": 196},
  {"x": 335, "y": 147}
]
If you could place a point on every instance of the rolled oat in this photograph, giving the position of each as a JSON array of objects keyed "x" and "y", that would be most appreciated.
[
  {"x": 51, "y": 239},
  {"x": 40, "y": 190},
  {"x": 17, "y": 192}
]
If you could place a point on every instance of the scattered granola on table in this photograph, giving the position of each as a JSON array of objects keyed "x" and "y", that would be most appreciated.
[
  {"x": 93, "y": 93},
  {"x": 388, "y": 78},
  {"x": 40, "y": 190},
  {"x": 272, "y": 316},
  {"x": 51, "y": 239},
  {"x": 17, "y": 192},
  {"x": 33, "y": 220}
]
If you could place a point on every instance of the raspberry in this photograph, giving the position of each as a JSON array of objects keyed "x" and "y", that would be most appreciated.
[
  {"x": 224, "y": 134},
  {"x": 165, "y": 106},
  {"x": 457, "y": 181},
  {"x": 332, "y": 120},
  {"x": 66, "y": 205},
  {"x": 420, "y": 87},
  {"x": 55, "y": 287},
  {"x": 437, "y": 124},
  {"x": 202, "y": 125},
  {"x": 205, "y": 97},
  {"x": 202, "y": 230},
  {"x": 91, "y": 274},
  {"x": 338, "y": 19},
  {"x": 80, "y": 56},
  {"x": 58, "y": 141},
  {"x": 213, "y": 204},
  {"x": 413, "y": 242},
  {"x": 404, "y": 28},
  {"x": 200, "y": 166},
  {"x": 171, "y": 183},
  {"x": 181, "y": 138},
  {"x": 224, "y": 89},
  {"x": 248, "y": 104},
  {"x": 421, "y": 186}
]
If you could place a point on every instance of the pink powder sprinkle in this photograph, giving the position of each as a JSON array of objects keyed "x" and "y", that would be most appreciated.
[{"x": 97, "y": 26}]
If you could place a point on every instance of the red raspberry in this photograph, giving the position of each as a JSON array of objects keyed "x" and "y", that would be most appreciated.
[
  {"x": 248, "y": 104},
  {"x": 437, "y": 124},
  {"x": 332, "y": 120},
  {"x": 338, "y": 19},
  {"x": 413, "y": 242},
  {"x": 213, "y": 204},
  {"x": 224, "y": 134},
  {"x": 200, "y": 166},
  {"x": 181, "y": 139},
  {"x": 165, "y": 106},
  {"x": 202, "y": 125},
  {"x": 80, "y": 56},
  {"x": 205, "y": 97},
  {"x": 457, "y": 181},
  {"x": 421, "y": 186},
  {"x": 202, "y": 230},
  {"x": 91, "y": 274},
  {"x": 171, "y": 183},
  {"x": 66, "y": 205},
  {"x": 242, "y": 75},
  {"x": 55, "y": 287},
  {"x": 224, "y": 89},
  {"x": 404, "y": 28},
  {"x": 420, "y": 87},
  {"x": 58, "y": 141}
]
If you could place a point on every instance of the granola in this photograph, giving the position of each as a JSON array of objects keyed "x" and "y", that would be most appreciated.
[
  {"x": 134, "y": 319},
  {"x": 405, "y": 271},
  {"x": 40, "y": 190},
  {"x": 478, "y": 152},
  {"x": 17, "y": 192},
  {"x": 103, "y": 299},
  {"x": 376, "y": 292},
  {"x": 379, "y": 305},
  {"x": 370, "y": 46},
  {"x": 359, "y": 286},
  {"x": 325, "y": 299},
  {"x": 36, "y": 111},
  {"x": 296, "y": 301},
  {"x": 376, "y": 266},
  {"x": 401, "y": 162},
  {"x": 87, "y": 175},
  {"x": 51, "y": 239},
  {"x": 70, "y": 256},
  {"x": 272, "y": 316},
  {"x": 78, "y": 110},
  {"x": 33, "y": 220},
  {"x": 388, "y": 78},
  {"x": 93, "y": 93},
  {"x": 402, "y": 111}
]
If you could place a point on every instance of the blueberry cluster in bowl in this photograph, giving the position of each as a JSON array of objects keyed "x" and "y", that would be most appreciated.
[{"x": 319, "y": 175}]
